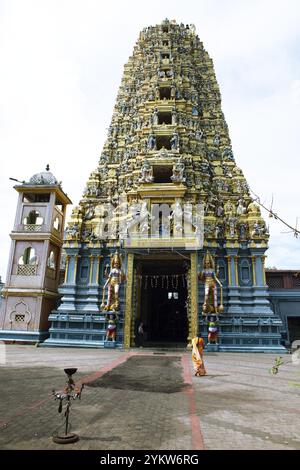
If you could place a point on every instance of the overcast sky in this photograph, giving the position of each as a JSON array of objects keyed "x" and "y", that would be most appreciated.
[{"x": 61, "y": 63}]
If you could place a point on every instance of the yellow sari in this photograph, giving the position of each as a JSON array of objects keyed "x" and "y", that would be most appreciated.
[{"x": 197, "y": 355}]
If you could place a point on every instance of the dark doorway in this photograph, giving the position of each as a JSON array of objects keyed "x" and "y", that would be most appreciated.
[
  {"x": 165, "y": 93},
  {"x": 164, "y": 302},
  {"x": 162, "y": 174},
  {"x": 164, "y": 118},
  {"x": 294, "y": 329},
  {"x": 163, "y": 141}
]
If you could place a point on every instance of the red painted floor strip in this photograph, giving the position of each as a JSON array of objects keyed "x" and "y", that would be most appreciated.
[
  {"x": 104, "y": 369},
  {"x": 197, "y": 437}
]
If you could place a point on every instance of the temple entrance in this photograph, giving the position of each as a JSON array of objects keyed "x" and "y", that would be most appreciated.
[
  {"x": 294, "y": 328},
  {"x": 163, "y": 302}
]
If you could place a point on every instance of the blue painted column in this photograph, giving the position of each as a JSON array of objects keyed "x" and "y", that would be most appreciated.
[
  {"x": 234, "y": 302},
  {"x": 93, "y": 300},
  {"x": 261, "y": 304},
  {"x": 68, "y": 289}
]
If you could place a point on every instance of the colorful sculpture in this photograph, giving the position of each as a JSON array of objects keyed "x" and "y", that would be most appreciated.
[
  {"x": 213, "y": 329},
  {"x": 210, "y": 279},
  {"x": 111, "y": 330},
  {"x": 114, "y": 279}
]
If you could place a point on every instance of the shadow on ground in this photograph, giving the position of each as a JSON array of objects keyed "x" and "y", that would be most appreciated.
[{"x": 145, "y": 374}]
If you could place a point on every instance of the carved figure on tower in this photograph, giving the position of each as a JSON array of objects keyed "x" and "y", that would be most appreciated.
[
  {"x": 178, "y": 172},
  {"x": 146, "y": 173},
  {"x": 210, "y": 279},
  {"x": 114, "y": 279}
]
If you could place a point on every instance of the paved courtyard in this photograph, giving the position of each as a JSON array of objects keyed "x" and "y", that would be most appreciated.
[{"x": 150, "y": 400}]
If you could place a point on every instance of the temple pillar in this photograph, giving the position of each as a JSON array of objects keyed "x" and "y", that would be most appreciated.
[
  {"x": 128, "y": 301},
  {"x": 93, "y": 300},
  {"x": 193, "y": 324},
  {"x": 261, "y": 304},
  {"x": 234, "y": 302}
]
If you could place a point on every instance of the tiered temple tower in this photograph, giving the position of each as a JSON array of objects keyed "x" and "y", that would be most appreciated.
[
  {"x": 33, "y": 274},
  {"x": 168, "y": 144}
]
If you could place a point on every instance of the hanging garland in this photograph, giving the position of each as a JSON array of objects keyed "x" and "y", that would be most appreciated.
[{"x": 164, "y": 281}]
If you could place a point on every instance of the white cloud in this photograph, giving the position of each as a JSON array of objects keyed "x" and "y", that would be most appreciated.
[{"x": 62, "y": 63}]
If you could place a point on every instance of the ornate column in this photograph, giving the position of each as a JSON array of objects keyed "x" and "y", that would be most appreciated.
[
  {"x": 67, "y": 269},
  {"x": 263, "y": 261},
  {"x": 98, "y": 269},
  {"x": 91, "y": 269},
  {"x": 254, "y": 269},
  {"x": 76, "y": 257},
  {"x": 234, "y": 301},
  {"x": 193, "y": 297},
  {"x": 93, "y": 297},
  {"x": 261, "y": 304},
  {"x": 236, "y": 270},
  {"x": 229, "y": 270},
  {"x": 128, "y": 301}
]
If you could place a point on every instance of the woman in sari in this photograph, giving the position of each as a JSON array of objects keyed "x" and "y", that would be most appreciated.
[{"x": 197, "y": 355}]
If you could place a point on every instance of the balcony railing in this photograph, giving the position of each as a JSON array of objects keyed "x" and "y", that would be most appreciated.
[
  {"x": 27, "y": 270},
  {"x": 31, "y": 228}
]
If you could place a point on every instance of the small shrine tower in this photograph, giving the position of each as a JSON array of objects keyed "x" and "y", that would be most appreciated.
[{"x": 31, "y": 289}]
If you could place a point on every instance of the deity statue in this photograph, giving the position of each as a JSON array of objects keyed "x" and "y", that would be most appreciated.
[
  {"x": 178, "y": 172},
  {"x": 228, "y": 155},
  {"x": 72, "y": 231},
  {"x": 114, "y": 280},
  {"x": 217, "y": 139},
  {"x": 219, "y": 210},
  {"x": 212, "y": 327},
  {"x": 227, "y": 170},
  {"x": 151, "y": 143},
  {"x": 253, "y": 209},
  {"x": 229, "y": 209},
  {"x": 146, "y": 173},
  {"x": 241, "y": 208},
  {"x": 89, "y": 213},
  {"x": 144, "y": 218},
  {"x": 174, "y": 116},
  {"x": 258, "y": 229},
  {"x": 210, "y": 279},
  {"x": 111, "y": 330},
  {"x": 174, "y": 141},
  {"x": 155, "y": 117},
  {"x": 210, "y": 206},
  {"x": 176, "y": 219},
  {"x": 199, "y": 135},
  {"x": 219, "y": 233},
  {"x": 231, "y": 225},
  {"x": 243, "y": 231}
]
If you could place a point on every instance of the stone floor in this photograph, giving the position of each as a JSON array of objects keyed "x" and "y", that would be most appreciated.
[{"x": 150, "y": 400}]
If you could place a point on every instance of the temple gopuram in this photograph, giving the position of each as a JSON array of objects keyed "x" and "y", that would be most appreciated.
[{"x": 166, "y": 234}]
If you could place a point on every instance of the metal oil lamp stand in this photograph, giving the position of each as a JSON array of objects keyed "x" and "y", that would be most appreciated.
[{"x": 70, "y": 392}]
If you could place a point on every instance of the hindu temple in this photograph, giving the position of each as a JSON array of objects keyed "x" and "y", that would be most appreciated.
[{"x": 166, "y": 233}]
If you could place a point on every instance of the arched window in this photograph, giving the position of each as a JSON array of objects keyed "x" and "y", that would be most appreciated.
[
  {"x": 222, "y": 271},
  {"x": 56, "y": 223},
  {"x": 29, "y": 257},
  {"x": 84, "y": 269},
  {"x": 51, "y": 260},
  {"x": 33, "y": 218},
  {"x": 245, "y": 272}
]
